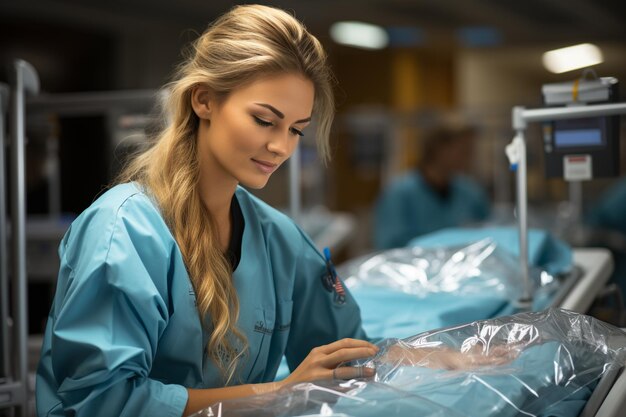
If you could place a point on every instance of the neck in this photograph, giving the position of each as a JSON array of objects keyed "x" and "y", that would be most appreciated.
[
  {"x": 216, "y": 197},
  {"x": 216, "y": 188},
  {"x": 216, "y": 193}
]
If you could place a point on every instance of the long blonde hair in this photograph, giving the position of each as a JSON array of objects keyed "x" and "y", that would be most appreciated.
[{"x": 241, "y": 46}]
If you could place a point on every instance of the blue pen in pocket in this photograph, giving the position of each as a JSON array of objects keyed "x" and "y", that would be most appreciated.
[{"x": 331, "y": 281}]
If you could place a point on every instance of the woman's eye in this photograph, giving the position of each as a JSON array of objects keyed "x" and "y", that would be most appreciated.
[
  {"x": 262, "y": 122},
  {"x": 296, "y": 132}
]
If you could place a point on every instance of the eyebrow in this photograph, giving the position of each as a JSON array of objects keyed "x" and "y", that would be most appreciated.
[{"x": 279, "y": 113}]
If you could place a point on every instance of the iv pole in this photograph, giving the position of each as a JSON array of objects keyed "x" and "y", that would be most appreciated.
[{"x": 516, "y": 152}]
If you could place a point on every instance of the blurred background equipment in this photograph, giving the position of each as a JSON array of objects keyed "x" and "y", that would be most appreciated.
[
  {"x": 583, "y": 144},
  {"x": 584, "y": 147}
]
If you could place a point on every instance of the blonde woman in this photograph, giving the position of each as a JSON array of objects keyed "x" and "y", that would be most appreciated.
[{"x": 177, "y": 287}]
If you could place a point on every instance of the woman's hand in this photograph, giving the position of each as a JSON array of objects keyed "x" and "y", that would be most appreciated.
[
  {"x": 322, "y": 361},
  {"x": 319, "y": 364}
]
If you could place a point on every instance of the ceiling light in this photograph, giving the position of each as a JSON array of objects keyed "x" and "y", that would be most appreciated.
[
  {"x": 359, "y": 35},
  {"x": 572, "y": 58}
]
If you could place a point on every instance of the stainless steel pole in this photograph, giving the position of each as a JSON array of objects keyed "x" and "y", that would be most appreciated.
[
  {"x": 560, "y": 113},
  {"x": 525, "y": 302},
  {"x": 4, "y": 278},
  {"x": 519, "y": 124},
  {"x": 24, "y": 80}
]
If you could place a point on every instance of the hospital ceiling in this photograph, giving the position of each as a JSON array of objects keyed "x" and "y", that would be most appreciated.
[{"x": 514, "y": 21}]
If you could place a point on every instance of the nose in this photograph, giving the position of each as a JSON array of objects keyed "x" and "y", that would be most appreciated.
[{"x": 281, "y": 144}]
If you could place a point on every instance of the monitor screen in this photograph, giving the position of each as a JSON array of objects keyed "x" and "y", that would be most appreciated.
[
  {"x": 578, "y": 138},
  {"x": 579, "y": 133}
]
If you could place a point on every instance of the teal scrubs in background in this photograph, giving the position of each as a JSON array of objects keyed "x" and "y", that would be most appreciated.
[
  {"x": 410, "y": 207},
  {"x": 610, "y": 211},
  {"x": 124, "y": 337}
]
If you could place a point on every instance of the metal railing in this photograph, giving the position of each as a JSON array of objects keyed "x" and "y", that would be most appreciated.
[{"x": 14, "y": 389}]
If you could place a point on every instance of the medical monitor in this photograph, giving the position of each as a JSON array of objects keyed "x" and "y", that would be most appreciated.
[{"x": 585, "y": 148}]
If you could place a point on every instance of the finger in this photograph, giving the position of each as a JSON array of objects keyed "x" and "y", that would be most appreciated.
[
  {"x": 347, "y": 354},
  {"x": 345, "y": 343},
  {"x": 351, "y": 372}
]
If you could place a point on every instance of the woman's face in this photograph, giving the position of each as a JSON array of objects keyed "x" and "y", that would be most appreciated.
[{"x": 249, "y": 134}]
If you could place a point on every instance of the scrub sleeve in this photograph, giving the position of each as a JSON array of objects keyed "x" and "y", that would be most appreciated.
[{"x": 115, "y": 308}]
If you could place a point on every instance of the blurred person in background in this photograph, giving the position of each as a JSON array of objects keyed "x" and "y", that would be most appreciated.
[{"x": 436, "y": 194}]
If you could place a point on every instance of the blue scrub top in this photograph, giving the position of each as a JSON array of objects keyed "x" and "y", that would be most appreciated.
[
  {"x": 410, "y": 207},
  {"x": 124, "y": 337}
]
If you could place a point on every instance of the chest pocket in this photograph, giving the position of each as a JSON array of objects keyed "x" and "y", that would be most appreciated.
[{"x": 260, "y": 332}]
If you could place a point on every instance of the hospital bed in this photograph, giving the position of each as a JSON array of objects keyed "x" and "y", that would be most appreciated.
[
  {"x": 594, "y": 268},
  {"x": 550, "y": 363},
  {"x": 485, "y": 282},
  {"x": 575, "y": 291},
  {"x": 609, "y": 398}
]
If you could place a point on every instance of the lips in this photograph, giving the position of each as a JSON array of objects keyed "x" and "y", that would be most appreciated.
[{"x": 264, "y": 166}]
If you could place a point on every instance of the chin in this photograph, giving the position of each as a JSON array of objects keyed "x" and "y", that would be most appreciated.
[{"x": 254, "y": 183}]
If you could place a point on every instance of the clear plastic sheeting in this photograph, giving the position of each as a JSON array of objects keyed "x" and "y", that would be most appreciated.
[
  {"x": 354, "y": 398},
  {"x": 529, "y": 364},
  {"x": 478, "y": 268}
]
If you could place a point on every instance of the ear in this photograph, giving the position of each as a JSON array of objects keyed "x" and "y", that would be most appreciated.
[{"x": 202, "y": 101}]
